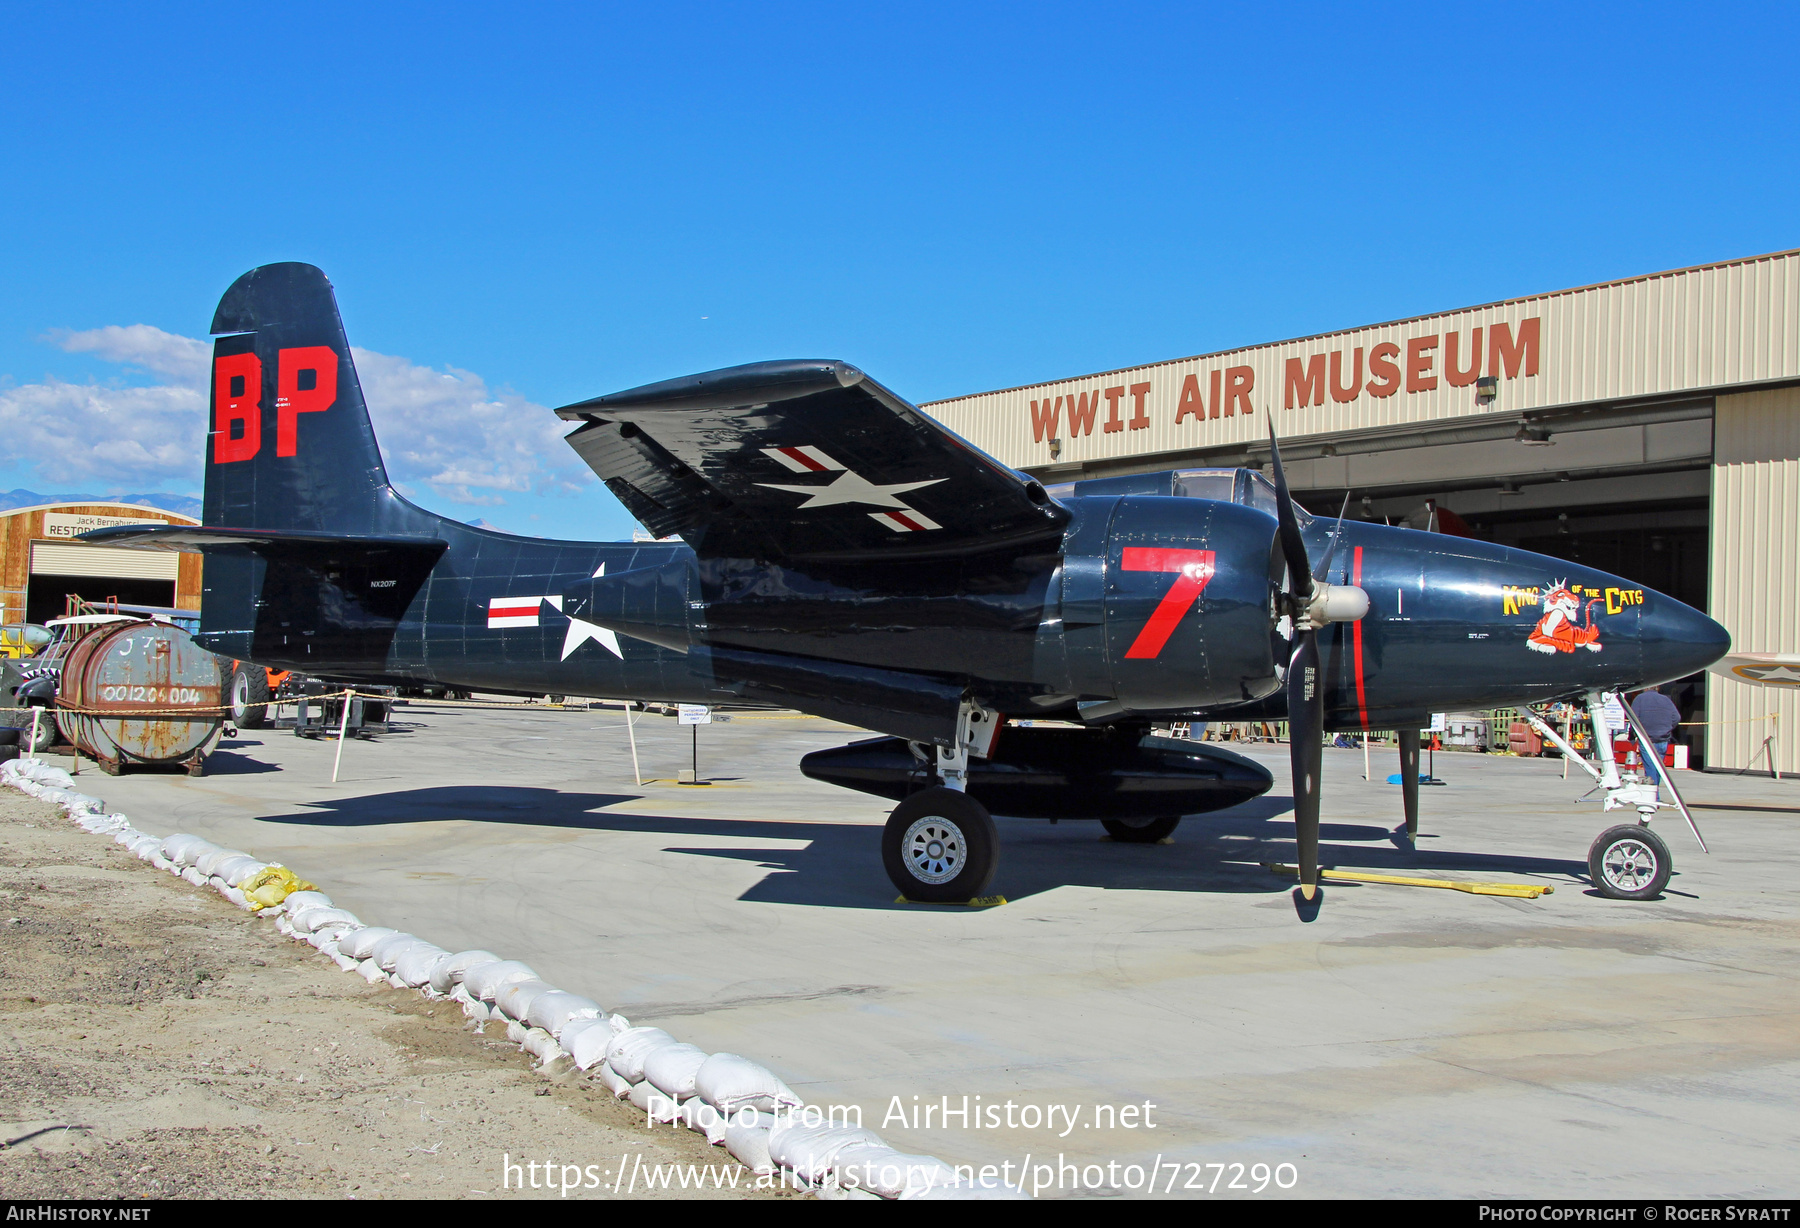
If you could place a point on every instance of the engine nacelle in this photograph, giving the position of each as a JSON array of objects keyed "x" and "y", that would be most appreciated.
[{"x": 1169, "y": 604}]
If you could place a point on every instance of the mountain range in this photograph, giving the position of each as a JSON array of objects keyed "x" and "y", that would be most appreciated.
[{"x": 186, "y": 505}]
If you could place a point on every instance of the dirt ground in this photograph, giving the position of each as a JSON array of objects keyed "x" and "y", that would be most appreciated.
[{"x": 157, "y": 1042}]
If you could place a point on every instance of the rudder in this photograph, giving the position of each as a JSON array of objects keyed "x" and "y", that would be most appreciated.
[{"x": 289, "y": 444}]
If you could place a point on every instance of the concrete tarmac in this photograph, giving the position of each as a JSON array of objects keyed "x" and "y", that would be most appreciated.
[{"x": 1399, "y": 1041}]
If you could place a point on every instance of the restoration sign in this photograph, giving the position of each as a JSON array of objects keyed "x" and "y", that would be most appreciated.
[{"x": 65, "y": 525}]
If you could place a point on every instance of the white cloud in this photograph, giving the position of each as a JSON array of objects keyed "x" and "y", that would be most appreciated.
[
  {"x": 444, "y": 430},
  {"x": 183, "y": 359}
]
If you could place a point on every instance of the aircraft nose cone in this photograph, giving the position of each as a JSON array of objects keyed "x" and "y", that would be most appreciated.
[{"x": 1677, "y": 640}]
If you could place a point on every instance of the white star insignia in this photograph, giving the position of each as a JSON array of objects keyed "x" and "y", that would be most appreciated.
[
  {"x": 581, "y": 631},
  {"x": 850, "y": 487}
]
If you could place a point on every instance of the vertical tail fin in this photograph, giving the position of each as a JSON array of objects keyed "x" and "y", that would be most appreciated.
[{"x": 289, "y": 444}]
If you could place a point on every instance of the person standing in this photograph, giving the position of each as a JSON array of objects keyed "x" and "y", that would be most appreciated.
[{"x": 1660, "y": 718}]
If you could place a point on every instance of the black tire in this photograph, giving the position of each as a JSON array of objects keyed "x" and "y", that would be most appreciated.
[
  {"x": 1141, "y": 831},
  {"x": 940, "y": 846},
  {"x": 249, "y": 696},
  {"x": 1629, "y": 862}
]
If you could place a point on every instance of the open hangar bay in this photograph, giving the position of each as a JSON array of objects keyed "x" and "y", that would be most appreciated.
[{"x": 1404, "y": 1041}]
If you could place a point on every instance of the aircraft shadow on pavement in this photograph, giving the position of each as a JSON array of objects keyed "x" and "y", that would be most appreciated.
[{"x": 839, "y": 864}]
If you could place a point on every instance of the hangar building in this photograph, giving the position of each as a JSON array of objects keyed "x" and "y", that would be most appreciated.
[
  {"x": 40, "y": 568},
  {"x": 1648, "y": 427}
]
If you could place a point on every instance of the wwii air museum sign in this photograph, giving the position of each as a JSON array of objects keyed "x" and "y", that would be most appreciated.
[{"x": 1655, "y": 335}]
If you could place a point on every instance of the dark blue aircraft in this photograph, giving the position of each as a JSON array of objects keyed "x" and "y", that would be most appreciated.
[{"x": 848, "y": 556}]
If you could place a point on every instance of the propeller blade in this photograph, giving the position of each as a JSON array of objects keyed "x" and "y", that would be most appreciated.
[
  {"x": 1409, "y": 779},
  {"x": 1324, "y": 567},
  {"x": 1306, "y": 722},
  {"x": 1293, "y": 547}
]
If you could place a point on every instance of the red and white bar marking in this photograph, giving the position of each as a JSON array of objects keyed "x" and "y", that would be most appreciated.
[
  {"x": 514, "y": 611},
  {"x": 806, "y": 459},
  {"x": 905, "y": 522}
]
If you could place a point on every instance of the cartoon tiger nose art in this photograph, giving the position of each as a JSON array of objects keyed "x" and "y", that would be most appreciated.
[{"x": 1558, "y": 630}]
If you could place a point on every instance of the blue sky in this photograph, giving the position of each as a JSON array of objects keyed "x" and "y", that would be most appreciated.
[{"x": 525, "y": 206}]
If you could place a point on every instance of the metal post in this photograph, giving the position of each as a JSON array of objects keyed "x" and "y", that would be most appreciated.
[
  {"x": 1366, "y": 774},
  {"x": 695, "y": 730},
  {"x": 34, "y": 732},
  {"x": 343, "y": 728},
  {"x": 631, "y": 731}
]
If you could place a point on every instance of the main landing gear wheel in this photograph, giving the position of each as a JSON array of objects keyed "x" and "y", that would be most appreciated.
[
  {"x": 249, "y": 696},
  {"x": 1629, "y": 862},
  {"x": 940, "y": 847},
  {"x": 1141, "y": 831}
]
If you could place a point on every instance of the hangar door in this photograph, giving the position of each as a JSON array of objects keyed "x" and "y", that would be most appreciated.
[{"x": 97, "y": 574}]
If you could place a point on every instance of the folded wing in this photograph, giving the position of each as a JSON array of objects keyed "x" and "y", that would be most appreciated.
[{"x": 803, "y": 459}]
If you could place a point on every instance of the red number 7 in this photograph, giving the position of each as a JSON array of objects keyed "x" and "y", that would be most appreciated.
[{"x": 1195, "y": 568}]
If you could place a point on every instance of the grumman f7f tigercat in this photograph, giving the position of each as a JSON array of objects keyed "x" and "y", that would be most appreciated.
[{"x": 848, "y": 556}]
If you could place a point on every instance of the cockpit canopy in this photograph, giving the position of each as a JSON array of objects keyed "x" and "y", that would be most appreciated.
[{"x": 1247, "y": 487}]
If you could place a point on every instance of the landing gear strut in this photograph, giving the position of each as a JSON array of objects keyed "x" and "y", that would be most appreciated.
[
  {"x": 1626, "y": 862},
  {"x": 940, "y": 845}
]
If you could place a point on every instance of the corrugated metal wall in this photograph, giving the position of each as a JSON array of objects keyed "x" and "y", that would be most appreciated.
[
  {"x": 1689, "y": 330},
  {"x": 1756, "y": 569}
]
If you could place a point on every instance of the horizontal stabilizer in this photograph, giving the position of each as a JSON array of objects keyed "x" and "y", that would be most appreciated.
[{"x": 196, "y": 538}]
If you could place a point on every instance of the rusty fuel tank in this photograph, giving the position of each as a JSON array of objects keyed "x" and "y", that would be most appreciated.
[{"x": 140, "y": 692}]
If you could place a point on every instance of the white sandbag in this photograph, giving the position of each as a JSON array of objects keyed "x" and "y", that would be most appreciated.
[
  {"x": 515, "y": 1031},
  {"x": 194, "y": 876},
  {"x": 605, "y": 1077},
  {"x": 322, "y": 944},
  {"x": 297, "y": 900},
  {"x": 286, "y": 928},
  {"x": 449, "y": 974},
  {"x": 555, "y": 1010},
  {"x": 343, "y": 961},
  {"x": 640, "y": 1094},
  {"x": 699, "y": 1116},
  {"x": 729, "y": 1082},
  {"x": 486, "y": 980},
  {"x": 541, "y": 1045},
  {"x": 239, "y": 870},
  {"x": 629, "y": 1048},
  {"x": 318, "y": 916},
  {"x": 160, "y": 862},
  {"x": 191, "y": 852},
  {"x": 473, "y": 1008},
  {"x": 176, "y": 847},
  {"x": 515, "y": 999},
  {"x": 415, "y": 965},
  {"x": 393, "y": 980},
  {"x": 236, "y": 897},
  {"x": 586, "y": 1041},
  {"x": 671, "y": 1068},
  {"x": 889, "y": 1173},
  {"x": 361, "y": 944},
  {"x": 747, "y": 1139},
  {"x": 371, "y": 972},
  {"x": 389, "y": 947},
  {"x": 210, "y": 863},
  {"x": 810, "y": 1150},
  {"x": 661, "y": 1109}
]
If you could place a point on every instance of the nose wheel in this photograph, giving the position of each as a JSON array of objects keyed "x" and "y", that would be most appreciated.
[
  {"x": 1629, "y": 862},
  {"x": 940, "y": 847}
]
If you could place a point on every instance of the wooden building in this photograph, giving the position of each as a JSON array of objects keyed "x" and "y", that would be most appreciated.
[{"x": 42, "y": 566}]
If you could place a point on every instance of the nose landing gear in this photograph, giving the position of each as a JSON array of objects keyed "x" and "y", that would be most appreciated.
[{"x": 1628, "y": 862}]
